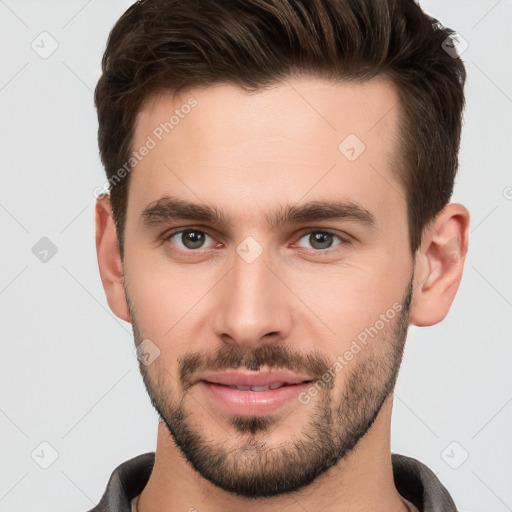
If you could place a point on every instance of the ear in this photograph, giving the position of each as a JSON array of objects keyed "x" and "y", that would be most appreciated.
[
  {"x": 109, "y": 259},
  {"x": 439, "y": 265}
]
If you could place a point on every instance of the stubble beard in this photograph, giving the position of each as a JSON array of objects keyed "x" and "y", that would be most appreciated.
[{"x": 246, "y": 463}]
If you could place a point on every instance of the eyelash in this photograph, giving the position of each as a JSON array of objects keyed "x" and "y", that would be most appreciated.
[{"x": 343, "y": 240}]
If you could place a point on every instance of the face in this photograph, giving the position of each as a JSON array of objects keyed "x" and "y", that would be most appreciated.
[{"x": 267, "y": 264}]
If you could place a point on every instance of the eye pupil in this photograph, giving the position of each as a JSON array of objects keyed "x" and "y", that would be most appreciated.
[
  {"x": 321, "y": 239},
  {"x": 192, "y": 239}
]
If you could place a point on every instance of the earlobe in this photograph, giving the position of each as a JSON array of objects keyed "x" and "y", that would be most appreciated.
[
  {"x": 439, "y": 265},
  {"x": 109, "y": 259}
]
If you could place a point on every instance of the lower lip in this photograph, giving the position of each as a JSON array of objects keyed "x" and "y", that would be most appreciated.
[{"x": 252, "y": 403}]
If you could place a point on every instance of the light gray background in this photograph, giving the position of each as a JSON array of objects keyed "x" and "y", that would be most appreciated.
[{"x": 68, "y": 375}]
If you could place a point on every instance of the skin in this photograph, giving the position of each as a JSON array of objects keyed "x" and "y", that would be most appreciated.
[{"x": 246, "y": 153}]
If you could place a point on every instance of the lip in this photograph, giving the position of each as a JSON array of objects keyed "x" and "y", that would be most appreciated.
[
  {"x": 220, "y": 388},
  {"x": 239, "y": 378},
  {"x": 252, "y": 403}
]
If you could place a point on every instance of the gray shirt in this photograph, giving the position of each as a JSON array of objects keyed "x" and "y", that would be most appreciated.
[{"x": 413, "y": 480}]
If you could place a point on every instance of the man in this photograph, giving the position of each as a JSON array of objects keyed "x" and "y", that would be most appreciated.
[{"x": 280, "y": 174}]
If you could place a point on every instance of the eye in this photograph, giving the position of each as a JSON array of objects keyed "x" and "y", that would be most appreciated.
[
  {"x": 192, "y": 239},
  {"x": 188, "y": 239},
  {"x": 321, "y": 240}
]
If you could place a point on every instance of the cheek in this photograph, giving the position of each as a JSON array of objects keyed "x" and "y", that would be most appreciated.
[
  {"x": 161, "y": 292},
  {"x": 345, "y": 301},
  {"x": 165, "y": 302}
]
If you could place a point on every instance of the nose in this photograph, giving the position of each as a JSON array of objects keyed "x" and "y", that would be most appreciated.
[{"x": 254, "y": 306}]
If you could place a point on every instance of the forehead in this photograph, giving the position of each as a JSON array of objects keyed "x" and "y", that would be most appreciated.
[{"x": 297, "y": 140}]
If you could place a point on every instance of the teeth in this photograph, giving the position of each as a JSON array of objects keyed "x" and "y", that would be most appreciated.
[
  {"x": 259, "y": 388},
  {"x": 273, "y": 385}
]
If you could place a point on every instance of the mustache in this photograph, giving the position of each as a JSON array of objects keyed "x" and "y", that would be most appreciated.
[{"x": 272, "y": 356}]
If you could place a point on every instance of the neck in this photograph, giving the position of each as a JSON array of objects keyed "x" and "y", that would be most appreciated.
[{"x": 362, "y": 481}]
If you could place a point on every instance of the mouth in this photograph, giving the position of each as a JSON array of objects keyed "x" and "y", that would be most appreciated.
[
  {"x": 265, "y": 387},
  {"x": 254, "y": 381},
  {"x": 252, "y": 393}
]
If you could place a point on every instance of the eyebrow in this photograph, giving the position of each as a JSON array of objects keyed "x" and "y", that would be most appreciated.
[{"x": 168, "y": 209}]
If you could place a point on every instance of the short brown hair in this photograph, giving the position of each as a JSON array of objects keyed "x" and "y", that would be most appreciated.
[{"x": 175, "y": 44}]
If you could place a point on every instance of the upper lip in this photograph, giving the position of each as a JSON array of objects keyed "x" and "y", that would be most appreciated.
[{"x": 264, "y": 378}]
